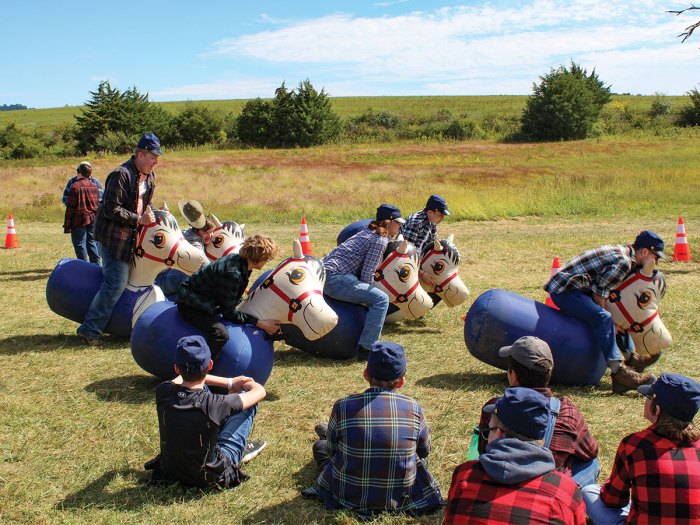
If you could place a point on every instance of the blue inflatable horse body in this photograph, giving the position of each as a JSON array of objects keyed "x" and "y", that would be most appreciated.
[{"x": 498, "y": 317}]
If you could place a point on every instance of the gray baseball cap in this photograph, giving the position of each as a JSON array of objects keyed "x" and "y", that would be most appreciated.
[{"x": 530, "y": 351}]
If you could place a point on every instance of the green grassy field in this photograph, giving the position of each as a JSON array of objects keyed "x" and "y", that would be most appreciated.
[{"x": 78, "y": 423}]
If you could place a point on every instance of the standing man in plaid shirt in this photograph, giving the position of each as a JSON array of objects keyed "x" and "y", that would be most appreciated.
[
  {"x": 373, "y": 452},
  {"x": 581, "y": 289},
  {"x": 125, "y": 205},
  {"x": 82, "y": 197},
  {"x": 659, "y": 466},
  {"x": 514, "y": 481}
]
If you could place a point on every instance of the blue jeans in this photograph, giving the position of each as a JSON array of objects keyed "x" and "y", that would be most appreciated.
[
  {"x": 581, "y": 306},
  {"x": 169, "y": 280},
  {"x": 348, "y": 288},
  {"x": 84, "y": 243},
  {"x": 585, "y": 472},
  {"x": 599, "y": 512},
  {"x": 115, "y": 276},
  {"x": 234, "y": 433}
]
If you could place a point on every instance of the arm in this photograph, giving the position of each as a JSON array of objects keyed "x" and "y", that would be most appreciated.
[
  {"x": 116, "y": 198},
  {"x": 99, "y": 188},
  {"x": 423, "y": 444},
  {"x": 71, "y": 207},
  {"x": 67, "y": 190},
  {"x": 373, "y": 259},
  {"x": 615, "y": 492},
  {"x": 332, "y": 436},
  {"x": 611, "y": 276}
]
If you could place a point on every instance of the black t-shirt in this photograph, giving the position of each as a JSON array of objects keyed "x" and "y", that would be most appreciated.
[{"x": 189, "y": 422}]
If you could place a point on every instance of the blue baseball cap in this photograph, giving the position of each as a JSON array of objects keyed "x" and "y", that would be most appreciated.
[
  {"x": 389, "y": 212},
  {"x": 651, "y": 241},
  {"x": 437, "y": 203},
  {"x": 192, "y": 355},
  {"x": 677, "y": 395},
  {"x": 150, "y": 143},
  {"x": 522, "y": 410},
  {"x": 386, "y": 361}
]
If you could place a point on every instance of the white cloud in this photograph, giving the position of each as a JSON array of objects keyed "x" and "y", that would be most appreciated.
[{"x": 224, "y": 89}]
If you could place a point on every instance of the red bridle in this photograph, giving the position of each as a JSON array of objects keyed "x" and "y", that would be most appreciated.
[
  {"x": 615, "y": 298},
  {"x": 439, "y": 288},
  {"x": 141, "y": 252},
  {"x": 379, "y": 277},
  {"x": 229, "y": 250},
  {"x": 294, "y": 304}
]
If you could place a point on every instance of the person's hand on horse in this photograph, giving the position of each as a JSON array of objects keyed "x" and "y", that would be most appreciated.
[
  {"x": 427, "y": 277},
  {"x": 600, "y": 300},
  {"x": 148, "y": 217},
  {"x": 271, "y": 327}
]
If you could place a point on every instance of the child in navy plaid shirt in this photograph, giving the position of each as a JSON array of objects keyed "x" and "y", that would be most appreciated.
[{"x": 372, "y": 453}]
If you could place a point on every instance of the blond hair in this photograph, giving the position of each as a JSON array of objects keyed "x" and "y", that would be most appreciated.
[{"x": 258, "y": 248}]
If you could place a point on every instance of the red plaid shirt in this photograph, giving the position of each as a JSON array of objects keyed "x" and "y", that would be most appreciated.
[
  {"x": 664, "y": 478},
  {"x": 81, "y": 203},
  {"x": 571, "y": 438},
  {"x": 475, "y": 498}
]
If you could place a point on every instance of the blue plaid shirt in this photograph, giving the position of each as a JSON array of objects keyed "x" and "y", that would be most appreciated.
[
  {"x": 376, "y": 440},
  {"x": 418, "y": 229},
  {"x": 360, "y": 256},
  {"x": 599, "y": 270}
]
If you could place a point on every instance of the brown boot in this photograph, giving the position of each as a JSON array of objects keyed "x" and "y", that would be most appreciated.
[
  {"x": 628, "y": 379},
  {"x": 639, "y": 363}
]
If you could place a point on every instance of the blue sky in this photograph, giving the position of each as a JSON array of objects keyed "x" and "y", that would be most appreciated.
[{"x": 55, "y": 53}]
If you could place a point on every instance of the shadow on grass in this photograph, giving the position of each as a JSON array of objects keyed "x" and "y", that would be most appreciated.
[
  {"x": 37, "y": 274},
  {"x": 133, "y": 497},
  {"x": 294, "y": 357},
  {"x": 133, "y": 389},
  {"x": 419, "y": 326},
  {"x": 464, "y": 380},
  {"x": 50, "y": 343}
]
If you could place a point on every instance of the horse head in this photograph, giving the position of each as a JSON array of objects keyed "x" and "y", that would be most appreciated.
[
  {"x": 634, "y": 306},
  {"x": 158, "y": 245},
  {"x": 440, "y": 260},
  {"x": 227, "y": 238},
  {"x": 293, "y": 294},
  {"x": 397, "y": 275}
]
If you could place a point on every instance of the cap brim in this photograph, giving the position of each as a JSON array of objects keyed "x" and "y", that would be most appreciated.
[
  {"x": 446, "y": 212},
  {"x": 505, "y": 351},
  {"x": 156, "y": 151},
  {"x": 399, "y": 220},
  {"x": 645, "y": 390},
  {"x": 661, "y": 254},
  {"x": 490, "y": 409}
]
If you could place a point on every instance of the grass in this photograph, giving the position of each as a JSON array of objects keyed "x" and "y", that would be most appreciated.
[{"x": 78, "y": 423}]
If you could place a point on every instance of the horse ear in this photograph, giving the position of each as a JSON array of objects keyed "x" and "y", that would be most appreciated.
[
  {"x": 403, "y": 247},
  {"x": 648, "y": 269},
  {"x": 437, "y": 246},
  {"x": 242, "y": 226},
  {"x": 215, "y": 220},
  {"x": 451, "y": 238},
  {"x": 298, "y": 254}
]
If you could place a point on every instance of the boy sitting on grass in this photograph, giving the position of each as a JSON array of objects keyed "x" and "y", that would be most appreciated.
[
  {"x": 372, "y": 454},
  {"x": 204, "y": 436}
]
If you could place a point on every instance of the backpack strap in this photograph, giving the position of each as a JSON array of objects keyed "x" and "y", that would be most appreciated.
[{"x": 554, "y": 405}]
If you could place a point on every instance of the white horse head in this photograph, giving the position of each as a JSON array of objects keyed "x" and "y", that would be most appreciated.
[
  {"x": 226, "y": 238},
  {"x": 293, "y": 294},
  {"x": 634, "y": 306},
  {"x": 441, "y": 261},
  {"x": 397, "y": 275}
]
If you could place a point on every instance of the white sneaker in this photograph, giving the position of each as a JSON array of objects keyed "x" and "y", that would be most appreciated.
[{"x": 252, "y": 449}]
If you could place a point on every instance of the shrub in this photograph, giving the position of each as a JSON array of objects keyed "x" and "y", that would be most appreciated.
[
  {"x": 463, "y": 129},
  {"x": 690, "y": 114},
  {"x": 659, "y": 105},
  {"x": 197, "y": 125},
  {"x": 565, "y": 105}
]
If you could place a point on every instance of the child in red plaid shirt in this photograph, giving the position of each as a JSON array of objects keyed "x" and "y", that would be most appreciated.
[{"x": 656, "y": 473}]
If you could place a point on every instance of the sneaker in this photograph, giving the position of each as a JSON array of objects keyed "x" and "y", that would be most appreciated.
[
  {"x": 639, "y": 363},
  {"x": 321, "y": 430},
  {"x": 252, "y": 449},
  {"x": 91, "y": 341},
  {"x": 627, "y": 378},
  {"x": 362, "y": 353}
]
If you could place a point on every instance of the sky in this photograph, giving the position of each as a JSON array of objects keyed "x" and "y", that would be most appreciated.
[{"x": 55, "y": 53}]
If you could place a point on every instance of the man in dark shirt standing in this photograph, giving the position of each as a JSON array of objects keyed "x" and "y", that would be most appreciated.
[
  {"x": 82, "y": 197},
  {"x": 204, "y": 436},
  {"x": 125, "y": 205}
]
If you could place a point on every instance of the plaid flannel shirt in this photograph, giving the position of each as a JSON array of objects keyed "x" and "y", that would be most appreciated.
[
  {"x": 81, "y": 204},
  {"x": 663, "y": 476},
  {"x": 571, "y": 438},
  {"x": 418, "y": 230},
  {"x": 599, "y": 270},
  {"x": 218, "y": 288},
  {"x": 360, "y": 256},
  {"x": 72, "y": 181},
  {"x": 376, "y": 440},
  {"x": 475, "y": 498},
  {"x": 116, "y": 222}
]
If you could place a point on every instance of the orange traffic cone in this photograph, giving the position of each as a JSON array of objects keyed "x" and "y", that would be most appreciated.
[
  {"x": 681, "y": 251},
  {"x": 556, "y": 265},
  {"x": 11, "y": 236},
  {"x": 304, "y": 238}
]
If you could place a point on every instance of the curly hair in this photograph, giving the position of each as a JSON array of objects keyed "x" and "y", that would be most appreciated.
[
  {"x": 257, "y": 248},
  {"x": 208, "y": 226},
  {"x": 380, "y": 227}
]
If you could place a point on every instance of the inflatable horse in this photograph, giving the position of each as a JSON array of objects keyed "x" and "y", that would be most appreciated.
[
  {"x": 292, "y": 294},
  {"x": 73, "y": 283},
  {"x": 397, "y": 275},
  {"x": 497, "y": 318},
  {"x": 440, "y": 261}
]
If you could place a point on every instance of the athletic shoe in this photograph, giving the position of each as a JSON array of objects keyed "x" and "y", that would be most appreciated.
[
  {"x": 91, "y": 341},
  {"x": 362, "y": 353},
  {"x": 252, "y": 449}
]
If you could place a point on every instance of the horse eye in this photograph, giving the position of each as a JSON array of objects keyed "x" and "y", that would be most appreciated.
[
  {"x": 218, "y": 241},
  {"x": 297, "y": 275},
  {"x": 643, "y": 299},
  {"x": 159, "y": 240},
  {"x": 404, "y": 273},
  {"x": 438, "y": 267}
]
